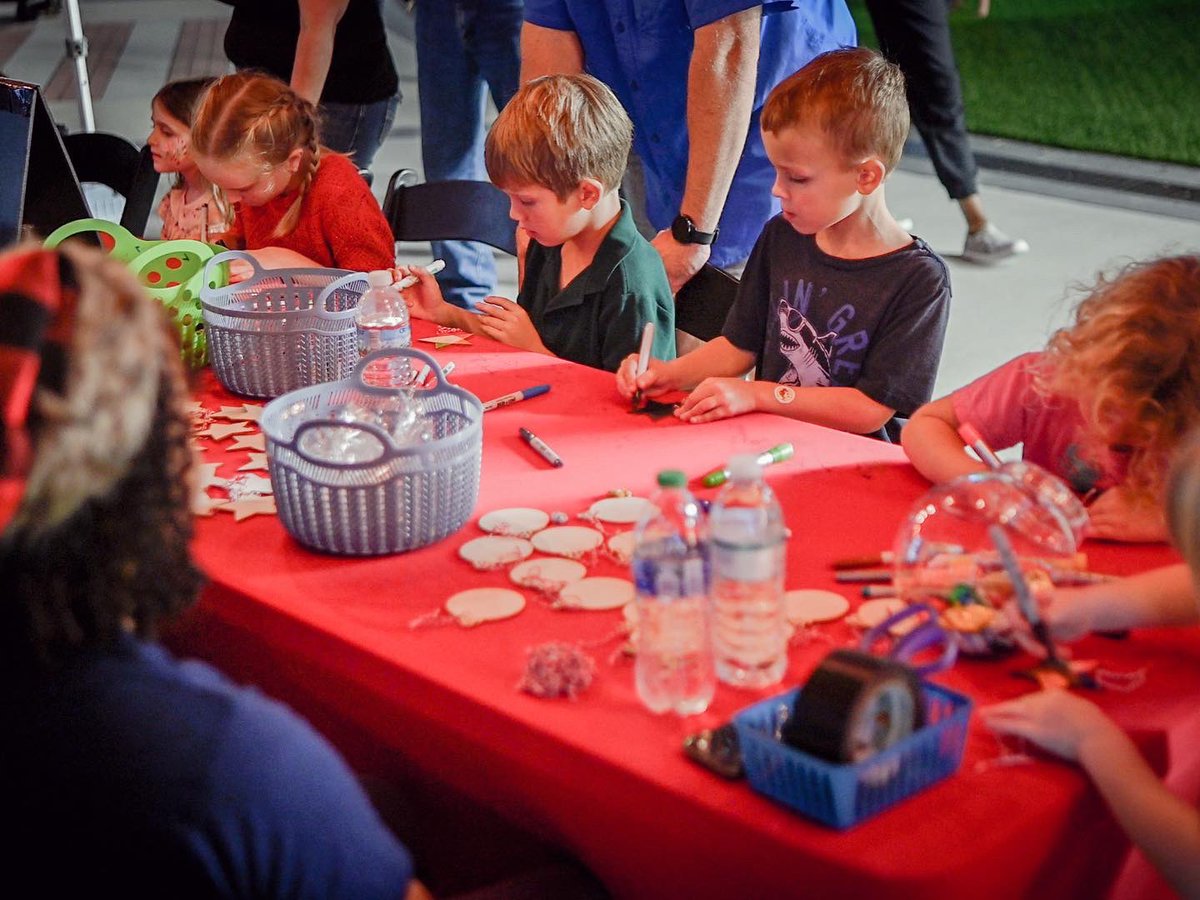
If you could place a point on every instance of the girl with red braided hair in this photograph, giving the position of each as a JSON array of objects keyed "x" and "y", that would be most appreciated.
[{"x": 290, "y": 202}]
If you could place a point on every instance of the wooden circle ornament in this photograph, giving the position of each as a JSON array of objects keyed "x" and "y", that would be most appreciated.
[
  {"x": 518, "y": 521},
  {"x": 494, "y": 551},
  {"x": 478, "y": 605},
  {"x": 620, "y": 510},
  {"x": 601, "y": 592},
  {"x": 567, "y": 540}
]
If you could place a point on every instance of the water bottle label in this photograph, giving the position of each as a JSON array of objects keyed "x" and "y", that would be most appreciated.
[
  {"x": 759, "y": 563},
  {"x": 371, "y": 339}
]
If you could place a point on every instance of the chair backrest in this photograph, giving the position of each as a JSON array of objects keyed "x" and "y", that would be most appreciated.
[
  {"x": 448, "y": 211},
  {"x": 703, "y": 302},
  {"x": 116, "y": 162}
]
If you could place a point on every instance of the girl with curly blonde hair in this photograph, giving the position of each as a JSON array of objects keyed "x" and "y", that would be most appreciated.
[
  {"x": 289, "y": 201},
  {"x": 1103, "y": 406}
]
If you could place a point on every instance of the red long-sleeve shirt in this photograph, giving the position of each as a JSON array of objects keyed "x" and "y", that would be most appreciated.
[{"x": 341, "y": 225}]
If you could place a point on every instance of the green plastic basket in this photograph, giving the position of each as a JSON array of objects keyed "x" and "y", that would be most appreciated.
[
  {"x": 119, "y": 243},
  {"x": 172, "y": 272}
]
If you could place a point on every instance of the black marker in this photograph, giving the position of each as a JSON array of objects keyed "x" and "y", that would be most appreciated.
[{"x": 541, "y": 447}]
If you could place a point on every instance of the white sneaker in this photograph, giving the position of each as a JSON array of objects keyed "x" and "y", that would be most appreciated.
[{"x": 990, "y": 245}]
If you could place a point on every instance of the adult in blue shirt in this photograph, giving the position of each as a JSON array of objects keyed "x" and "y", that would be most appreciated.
[
  {"x": 693, "y": 75},
  {"x": 127, "y": 772}
]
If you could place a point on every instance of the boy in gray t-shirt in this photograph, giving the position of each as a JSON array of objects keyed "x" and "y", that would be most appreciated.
[{"x": 836, "y": 294}]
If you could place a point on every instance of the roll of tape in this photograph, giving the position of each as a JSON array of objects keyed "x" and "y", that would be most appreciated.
[{"x": 853, "y": 706}]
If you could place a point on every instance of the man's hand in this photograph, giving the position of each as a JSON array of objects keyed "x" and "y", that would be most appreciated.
[{"x": 681, "y": 261}]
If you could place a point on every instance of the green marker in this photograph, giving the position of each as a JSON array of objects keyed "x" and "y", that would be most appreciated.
[{"x": 776, "y": 454}]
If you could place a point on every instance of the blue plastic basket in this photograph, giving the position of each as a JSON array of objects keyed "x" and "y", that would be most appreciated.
[{"x": 845, "y": 794}]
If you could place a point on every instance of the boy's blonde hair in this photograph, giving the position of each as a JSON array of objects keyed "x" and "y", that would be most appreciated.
[
  {"x": 557, "y": 131},
  {"x": 1131, "y": 361},
  {"x": 249, "y": 115},
  {"x": 852, "y": 94}
]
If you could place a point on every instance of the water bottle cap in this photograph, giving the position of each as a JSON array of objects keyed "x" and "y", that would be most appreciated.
[
  {"x": 744, "y": 467},
  {"x": 379, "y": 278},
  {"x": 671, "y": 478}
]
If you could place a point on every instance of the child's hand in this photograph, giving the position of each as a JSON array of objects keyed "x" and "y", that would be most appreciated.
[
  {"x": 1115, "y": 516},
  {"x": 240, "y": 270},
  {"x": 652, "y": 383},
  {"x": 282, "y": 258},
  {"x": 510, "y": 324},
  {"x": 717, "y": 398},
  {"x": 1055, "y": 720},
  {"x": 424, "y": 299},
  {"x": 1067, "y": 613}
]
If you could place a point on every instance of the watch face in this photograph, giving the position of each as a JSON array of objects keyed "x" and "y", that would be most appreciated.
[{"x": 683, "y": 229}]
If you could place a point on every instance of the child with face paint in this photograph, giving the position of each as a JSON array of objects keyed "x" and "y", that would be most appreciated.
[{"x": 188, "y": 210}]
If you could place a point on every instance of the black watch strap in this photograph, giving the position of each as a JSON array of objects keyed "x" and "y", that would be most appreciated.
[{"x": 683, "y": 229}]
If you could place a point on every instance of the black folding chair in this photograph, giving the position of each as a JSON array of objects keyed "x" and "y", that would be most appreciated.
[
  {"x": 116, "y": 162},
  {"x": 703, "y": 302},
  {"x": 448, "y": 211}
]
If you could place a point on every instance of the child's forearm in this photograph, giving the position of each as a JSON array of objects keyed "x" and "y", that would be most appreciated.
[
  {"x": 716, "y": 359},
  {"x": 1165, "y": 596},
  {"x": 932, "y": 444},
  {"x": 450, "y": 316},
  {"x": 1163, "y": 826},
  {"x": 843, "y": 408}
]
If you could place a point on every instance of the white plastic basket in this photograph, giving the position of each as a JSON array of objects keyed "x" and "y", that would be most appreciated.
[
  {"x": 281, "y": 329},
  {"x": 407, "y": 497}
]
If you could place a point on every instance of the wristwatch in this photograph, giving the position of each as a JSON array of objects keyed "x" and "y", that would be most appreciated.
[{"x": 683, "y": 229}]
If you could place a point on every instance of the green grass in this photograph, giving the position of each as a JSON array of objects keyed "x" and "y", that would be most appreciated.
[{"x": 1111, "y": 76}]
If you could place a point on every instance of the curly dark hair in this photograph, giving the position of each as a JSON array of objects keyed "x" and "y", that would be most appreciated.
[{"x": 120, "y": 560}]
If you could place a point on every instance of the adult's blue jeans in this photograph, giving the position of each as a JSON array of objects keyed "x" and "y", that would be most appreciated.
[
  {"x": 358, "y": 128},
  {"x": 465, "y": 50}
]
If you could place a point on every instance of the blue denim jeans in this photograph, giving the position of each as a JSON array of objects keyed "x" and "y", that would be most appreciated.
[
  {"x": 465, "y": 49},
  {"x": 357, "y": 128}
]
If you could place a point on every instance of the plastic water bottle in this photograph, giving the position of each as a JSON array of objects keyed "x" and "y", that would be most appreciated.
[
  {"x": 382, "y": 323},
  {"x": 748, "y": 545},
  {"x": 674, "y": 668}
]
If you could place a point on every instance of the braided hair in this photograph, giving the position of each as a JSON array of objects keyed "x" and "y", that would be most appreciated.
[{"x": 250, "y": 115}]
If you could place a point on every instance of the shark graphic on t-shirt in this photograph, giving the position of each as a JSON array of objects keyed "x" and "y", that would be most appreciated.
[{"x": 807, "y": 353}]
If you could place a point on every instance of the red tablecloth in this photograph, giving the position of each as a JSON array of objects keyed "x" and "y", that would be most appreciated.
[{"x": 602, "y": 776}]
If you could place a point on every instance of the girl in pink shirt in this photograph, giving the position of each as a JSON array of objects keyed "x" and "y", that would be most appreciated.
[
  {"x": 188, "y": 210},
  {"x": 1103, "y": 406}
]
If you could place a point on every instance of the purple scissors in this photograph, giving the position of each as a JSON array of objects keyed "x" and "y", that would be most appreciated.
[{"x": 924, "y": 634}]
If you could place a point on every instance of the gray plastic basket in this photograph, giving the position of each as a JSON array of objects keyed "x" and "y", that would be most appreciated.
[
  {"x": 406, "y": 498},
  {"x": 281, "y": 329}
]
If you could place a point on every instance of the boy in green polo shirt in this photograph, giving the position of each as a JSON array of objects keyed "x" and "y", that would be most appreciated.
[{"x": 589, "y": 281}]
